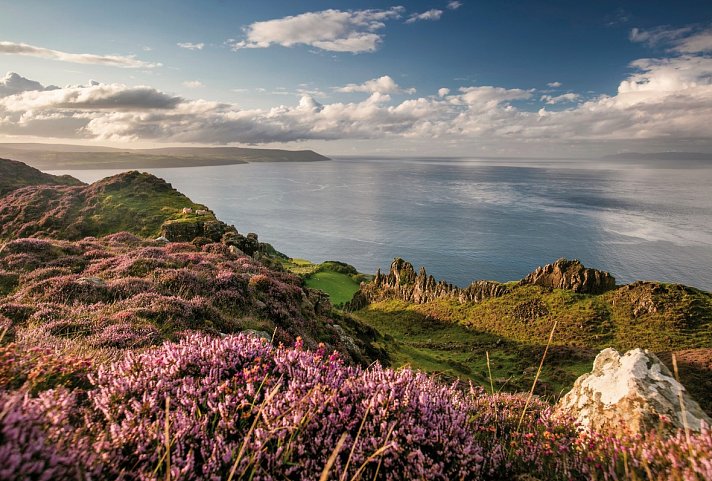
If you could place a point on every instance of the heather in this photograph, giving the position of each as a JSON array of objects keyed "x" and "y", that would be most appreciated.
[
  {"x": 121, "y": 292},
  {"x": 139, "y": 203},
  {"x": 238, "y": 407}
]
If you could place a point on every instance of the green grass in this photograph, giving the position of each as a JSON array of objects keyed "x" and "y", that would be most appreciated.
[
  {"x": 141, "y": 206},
  {"x": 454, "y": 351},
  {"x": 340, "y": 287}
]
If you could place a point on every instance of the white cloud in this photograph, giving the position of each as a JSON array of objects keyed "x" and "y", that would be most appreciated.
[
  {"x": 557, "y": 99},
  {"x": 384, "y": 85},
  {"x": 193, "y": 84},
  {"x": 123, "y": 61},
  {"x": 13, "y": 84},
  {"x": 353, "y": 31},
  {"x": 432, "y": 14},
  {"x": 191, "y": 46},
  {"x": 454, "y": 5},
  {"x": 554, "y": 85},
  {"x": 682, "y": 40},
  {"x": 663, "y": 100}
]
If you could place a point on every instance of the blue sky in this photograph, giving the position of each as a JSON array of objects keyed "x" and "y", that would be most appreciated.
[{"x": 432, "y": 77}]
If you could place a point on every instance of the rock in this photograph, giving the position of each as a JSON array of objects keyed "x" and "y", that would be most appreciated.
[
  {"x": 634, "y": 391},
  {"x": 259, "y": 334},
  {"x": 161, "y": 239},
  {"x": 94, "y": 281},
  {"x": 183, "y": 230},
  {"x": 248, "y": 244},
  {"x": 571, "y": 275},
  {"x": 403, "y": 283}
]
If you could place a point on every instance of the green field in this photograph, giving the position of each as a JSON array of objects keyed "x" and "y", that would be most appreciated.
[{"x": 340, "y": 287}]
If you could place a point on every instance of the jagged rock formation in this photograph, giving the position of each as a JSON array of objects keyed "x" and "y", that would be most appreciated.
[
  {"x": 634, "y": 391},
  {"x": 187, "y": 230},
  {"x": 402, "y": 283},
  {"x": 571, "y": 275}
]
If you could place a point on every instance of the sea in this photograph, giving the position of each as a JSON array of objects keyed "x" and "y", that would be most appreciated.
[{"x": 468, "y": 219}]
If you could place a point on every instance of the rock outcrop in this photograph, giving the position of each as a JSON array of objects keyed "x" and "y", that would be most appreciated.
[
  {"x": 571, "y": 275},
  {"x": 403, "y": 283},
  {"x": 634, "y": 391}
]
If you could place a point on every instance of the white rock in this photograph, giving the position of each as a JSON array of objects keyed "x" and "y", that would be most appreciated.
[{"x": 632, "y": 391}]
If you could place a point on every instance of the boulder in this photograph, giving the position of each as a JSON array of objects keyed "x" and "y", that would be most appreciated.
[
  {"x": 634, "y": 392},
  {"x": 571, "y": 275}
]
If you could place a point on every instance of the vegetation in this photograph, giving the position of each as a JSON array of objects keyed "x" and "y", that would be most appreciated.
[
  {"x": 15, "y": 175},
  {"x": 448, "y": 337},
  {"x": 239, "y": 408},
  {"x": 134, "y": 202},
  {"x": 337, "y": 279}
]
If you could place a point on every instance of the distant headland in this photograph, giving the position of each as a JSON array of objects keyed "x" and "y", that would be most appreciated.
[{"x": 81, "y": 157}]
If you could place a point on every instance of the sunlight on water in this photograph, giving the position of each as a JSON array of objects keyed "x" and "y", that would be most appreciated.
[{"x": 469, "y": 219}]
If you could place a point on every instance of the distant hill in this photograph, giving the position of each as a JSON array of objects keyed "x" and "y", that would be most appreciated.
[
  {"x": 698, "y": 156},
  {"x": 77, "y": 157},
  {"x": 14, "y": 175}
]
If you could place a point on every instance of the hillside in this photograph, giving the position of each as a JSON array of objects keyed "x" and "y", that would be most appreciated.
[
  {"x": 14, "y": 175},
  {"x": 134, "y": 202},
  {"x": 201, "y": 356},
  {"x": 72, "y": 157},
  {"x": 441, "y": 328}
]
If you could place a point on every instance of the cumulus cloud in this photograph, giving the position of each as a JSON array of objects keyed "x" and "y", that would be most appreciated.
[
  {"x": 432, "y": 14},
  {"x": 557, "y": 99},
  {"x": 193, "y": 84},
  {"x": 383, "y": 85},
  {"x": 86, "y": 58},
  {"x": 191, "y": 46},
  {"x": 664, "y": 99},
  {"x": 13, "y": 84},
  {"x": 454, "y": 5},
  {"x": 554, "y": 85},
  {"x": 354, "y": 31}
]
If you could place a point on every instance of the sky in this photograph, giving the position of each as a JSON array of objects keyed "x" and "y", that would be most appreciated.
[{"x": 437, "y": 77}]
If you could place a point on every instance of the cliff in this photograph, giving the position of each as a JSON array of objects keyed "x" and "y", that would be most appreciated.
[{"x": 15, "y": 175}]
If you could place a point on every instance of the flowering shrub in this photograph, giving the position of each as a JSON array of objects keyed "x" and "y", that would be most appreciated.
[
  {"x": 123, "y": 280},
  {"x": 206, "y": 407}
]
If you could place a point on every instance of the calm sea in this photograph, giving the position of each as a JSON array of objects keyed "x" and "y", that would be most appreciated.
[{"x": 469, "y": 219}]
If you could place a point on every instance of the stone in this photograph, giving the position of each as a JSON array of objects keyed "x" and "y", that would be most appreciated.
[
  {"x": 634, "y": 392},
  {"x": 94, "y": 281},
  {"x": 403, "y": 283},
  {"x": 571, "y": 275},
  {"x": 161, "y": 239}
]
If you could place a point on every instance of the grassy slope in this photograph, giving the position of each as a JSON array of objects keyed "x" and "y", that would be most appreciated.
[
  {"x": 340, "y": 281},
  {"x": 134, "y": 202},
  {"x": 451, "y": 338},
  {"x": 340, "y": 287},
  {"x": 14, "y": 175}
]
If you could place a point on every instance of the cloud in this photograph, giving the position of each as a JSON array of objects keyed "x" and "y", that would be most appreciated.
[
  {"x": 433, "y": 14},
  {"x": 454, "y": 5},
  {"x": 13, "y": 84},
  {"x": 191, "y": 46},
  {"x": 665, "y": 100},
  {"x": 554, "y": 85},
  {"x": 383, "y": 85},
  {"x": 557, "y": 99},
  {"x": 94, "y": 96},
  {"x": 13, "y": 48},
  {"x": 354, "y": 31},
  {"x": 193, "y": 84},
  {"x": 689, "y": 39}
]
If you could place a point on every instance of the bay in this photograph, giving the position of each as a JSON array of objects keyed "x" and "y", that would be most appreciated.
[{"x": 467, "y": 219}]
